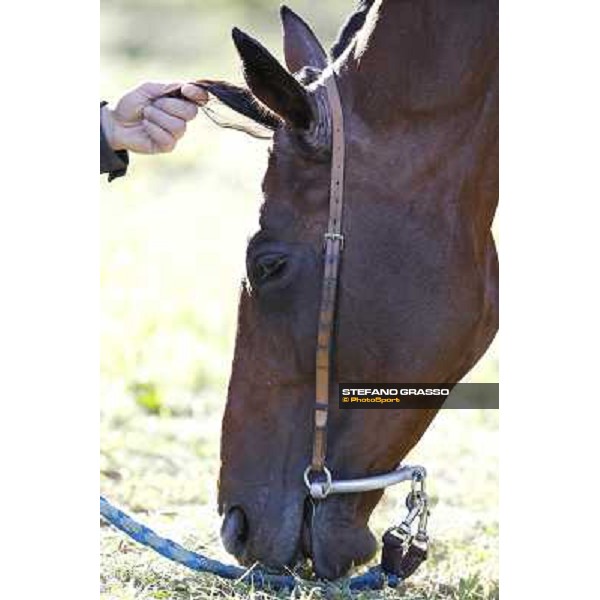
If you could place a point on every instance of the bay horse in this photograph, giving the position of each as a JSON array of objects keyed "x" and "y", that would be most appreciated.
[{"x": 418, "y": 292}]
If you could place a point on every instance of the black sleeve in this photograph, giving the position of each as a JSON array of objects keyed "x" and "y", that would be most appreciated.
[{"x": 112, "y": 162}]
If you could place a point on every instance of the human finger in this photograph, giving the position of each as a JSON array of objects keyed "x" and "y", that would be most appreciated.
[
  {"x": 173, "y": 125},
  {"x": 162, "y": 141},
  {"x": 177, "y": 108},
  {"x": 154, "y": 89},
  {"x": 195, "y": 93}
]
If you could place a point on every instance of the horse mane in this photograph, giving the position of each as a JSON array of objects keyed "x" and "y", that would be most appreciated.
[{"x": 352, "y": 25}]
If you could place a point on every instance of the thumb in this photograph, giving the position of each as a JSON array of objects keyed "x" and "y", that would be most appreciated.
[
  {"x": 152, "y": 90},
  {"x": 194, "y": 93}
]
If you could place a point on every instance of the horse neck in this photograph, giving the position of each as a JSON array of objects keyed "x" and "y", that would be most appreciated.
[
  {"x": 421, "y": 57},
  {"x": 421, "y": 77}
]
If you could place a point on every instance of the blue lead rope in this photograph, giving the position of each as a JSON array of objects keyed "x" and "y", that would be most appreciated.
[{"x": 373, "y": 579}]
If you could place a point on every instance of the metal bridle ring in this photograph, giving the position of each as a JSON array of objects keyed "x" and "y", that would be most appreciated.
[{"x": 318, "y": 490}]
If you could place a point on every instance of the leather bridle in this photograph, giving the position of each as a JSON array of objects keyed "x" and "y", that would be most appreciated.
[
  {"x": 317, "y": 476},
  {"x": 402, "y": 551}
]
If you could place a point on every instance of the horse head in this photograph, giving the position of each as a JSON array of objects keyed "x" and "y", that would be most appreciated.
[{"x": 417, "y": 299}]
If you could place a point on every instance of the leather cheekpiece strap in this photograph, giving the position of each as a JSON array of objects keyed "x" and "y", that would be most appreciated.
[{"x": 334, "y": 243}]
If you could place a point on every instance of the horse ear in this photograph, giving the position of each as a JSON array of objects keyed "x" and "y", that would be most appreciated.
[
  {"x": 241, "y": 101},
  {"x": 300, "y": 45},
  {"x": 271, "y": 83}
]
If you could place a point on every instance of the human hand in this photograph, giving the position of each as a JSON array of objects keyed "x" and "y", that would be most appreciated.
[{"x": 144, "y": 122}]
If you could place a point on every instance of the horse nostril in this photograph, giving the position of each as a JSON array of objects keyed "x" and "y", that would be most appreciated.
[{"x": 234, "y": 531}]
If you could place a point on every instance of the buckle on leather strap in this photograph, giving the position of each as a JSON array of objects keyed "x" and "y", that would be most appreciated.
[{"x": 335, "y": 236}]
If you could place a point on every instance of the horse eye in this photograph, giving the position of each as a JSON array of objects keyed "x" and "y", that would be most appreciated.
[{"x": 267, "y": 268}]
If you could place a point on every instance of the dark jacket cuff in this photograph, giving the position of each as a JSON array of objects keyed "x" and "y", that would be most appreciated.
[{"x": 113, "y": 162}]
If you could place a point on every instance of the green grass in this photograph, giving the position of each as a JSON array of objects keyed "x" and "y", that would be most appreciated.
[
  {"x": 164, "y": 468},
  {"x": 173, "y": 234}
]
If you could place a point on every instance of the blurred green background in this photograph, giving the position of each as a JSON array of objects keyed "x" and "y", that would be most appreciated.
[{"x": 173, "y": 237}]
